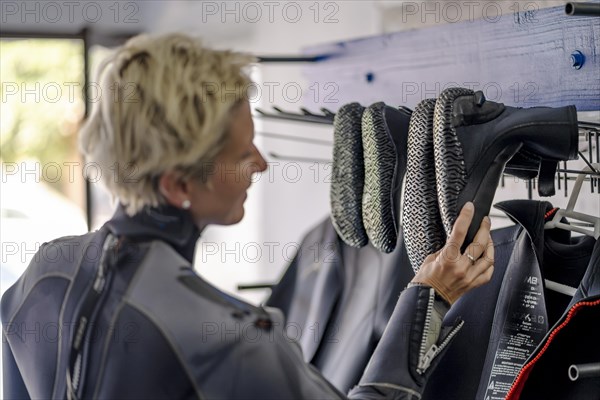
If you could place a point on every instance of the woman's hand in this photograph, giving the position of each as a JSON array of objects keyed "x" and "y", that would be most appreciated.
[{"x": 451, "y": 273}]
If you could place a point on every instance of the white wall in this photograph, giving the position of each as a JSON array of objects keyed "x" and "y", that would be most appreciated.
[{"x": 292, "y": 196}]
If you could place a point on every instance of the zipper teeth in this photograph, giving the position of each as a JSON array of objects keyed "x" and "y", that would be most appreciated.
[
  {"x": 528, "y": 366},
  {"x": 100, "y": 280},
  {"x": 427, "y": 324},
  {"x": 99, "y": 286},
  {"x": 76, "y": 373},
  {"x": 438, "y": 349},
  {"x": 449, "y": 337}
]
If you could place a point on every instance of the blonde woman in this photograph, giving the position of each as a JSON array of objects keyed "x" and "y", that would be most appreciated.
[{"x": 120, "y": 313}]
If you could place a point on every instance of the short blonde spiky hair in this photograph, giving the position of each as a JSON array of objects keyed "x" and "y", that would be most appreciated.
[{"x": 165, "y": 104}]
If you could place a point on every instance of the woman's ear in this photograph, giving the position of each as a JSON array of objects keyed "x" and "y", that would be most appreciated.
[{"x": 174, "y": 189}]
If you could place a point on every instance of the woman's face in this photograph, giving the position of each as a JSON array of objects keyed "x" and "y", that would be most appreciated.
[{"x": 221, "y": 200}]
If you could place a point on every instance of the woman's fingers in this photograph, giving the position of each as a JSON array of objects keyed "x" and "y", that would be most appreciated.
[
  {"x": 461, "y": 226},
  {"x": 483, "y": 278},
  {"x": 481, "y": 271},
  {"x": 452, "y": 273},
  {"x": 489, "y": 251},
  {"x": 480, "y": 242}
]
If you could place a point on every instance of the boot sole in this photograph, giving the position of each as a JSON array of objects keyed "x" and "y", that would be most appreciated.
[
  {"x": 450, "y": 169},
  {"x": 422, "y": 225},
  {"x": 381, "y": 162},
  {"x": 348, "y": 176}
]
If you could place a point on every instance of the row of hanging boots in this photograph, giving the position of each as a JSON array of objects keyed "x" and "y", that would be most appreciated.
[{"x": 395, "y": 167}]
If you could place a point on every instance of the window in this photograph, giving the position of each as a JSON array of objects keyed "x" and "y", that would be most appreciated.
[{"x": 42, "y": 193}]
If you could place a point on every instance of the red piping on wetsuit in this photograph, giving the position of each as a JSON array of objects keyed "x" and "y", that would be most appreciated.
[{"x": 517, "y": 387}]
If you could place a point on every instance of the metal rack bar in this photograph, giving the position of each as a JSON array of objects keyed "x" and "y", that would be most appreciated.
[{"x": 583, "y": 9}]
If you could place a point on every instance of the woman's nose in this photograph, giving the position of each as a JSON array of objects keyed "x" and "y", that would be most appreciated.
[{"x": 261, "y": 164}]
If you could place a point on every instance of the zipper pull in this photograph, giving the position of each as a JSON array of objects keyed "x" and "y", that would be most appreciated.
[
  {"x": 99, "y": 282},
  {"x": 425, "y": 361},
  {"x": 434, "y": 350}
]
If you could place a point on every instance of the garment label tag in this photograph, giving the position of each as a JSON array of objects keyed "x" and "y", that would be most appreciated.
[{"x": 520, "y": 323}]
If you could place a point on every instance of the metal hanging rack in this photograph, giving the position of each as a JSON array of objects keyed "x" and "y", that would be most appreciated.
[{"x": 590, "y": 131}]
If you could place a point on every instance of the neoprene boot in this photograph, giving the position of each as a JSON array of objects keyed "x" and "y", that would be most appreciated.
[
  {"x": 385, "y": 136},
  {"x": 422, "y": 225},
  {"x": 348, "y": 176},
  {"x": 475, "y": 138}
]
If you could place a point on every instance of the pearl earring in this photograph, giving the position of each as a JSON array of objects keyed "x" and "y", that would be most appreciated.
[{"x": 186, "y": 204}]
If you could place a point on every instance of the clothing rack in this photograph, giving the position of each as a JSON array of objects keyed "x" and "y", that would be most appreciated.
[
  {"x": 588, "y": 132},
  {"x": 306, "y": 116}
]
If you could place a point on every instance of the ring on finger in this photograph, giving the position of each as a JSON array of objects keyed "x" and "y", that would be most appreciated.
[{"x": 470, "y": 257}]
